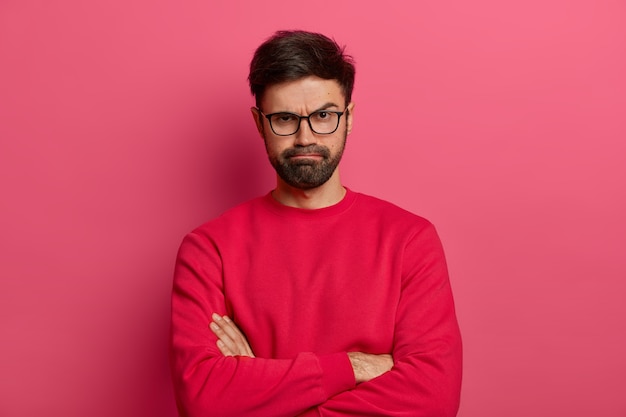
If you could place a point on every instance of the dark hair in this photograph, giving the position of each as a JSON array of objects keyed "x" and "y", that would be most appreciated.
[{"x": 291, "y": 55}]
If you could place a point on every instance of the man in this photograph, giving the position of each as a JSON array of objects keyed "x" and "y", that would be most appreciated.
[{"x": 312, "y": 300}]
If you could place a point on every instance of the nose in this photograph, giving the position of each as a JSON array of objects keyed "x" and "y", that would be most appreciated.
[{"x": 304, "y": 136}]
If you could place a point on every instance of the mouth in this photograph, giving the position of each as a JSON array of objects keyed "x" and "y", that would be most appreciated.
[
  {"x": 307, "y": 156},
  {"x": 310, "y": 153}
]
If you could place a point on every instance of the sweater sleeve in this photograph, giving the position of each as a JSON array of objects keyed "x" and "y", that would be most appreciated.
[
  {"x": 426, "y": 378},
  {"x": 208, "y": 384}
]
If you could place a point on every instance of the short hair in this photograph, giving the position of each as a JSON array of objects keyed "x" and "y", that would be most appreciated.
[{"x": 292, "y": 55}]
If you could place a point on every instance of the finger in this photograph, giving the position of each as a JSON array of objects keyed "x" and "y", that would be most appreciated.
[
  {"x": 234, "y": 334},
  {"x": 239, "y": 337},
  {"x": 232, "y": 326},
  {"x": 224, "y": 338},
  {"x": 229, "y": 328},
  {"x": 228, "y": 332},
  {"x": 223, "y": 348}
]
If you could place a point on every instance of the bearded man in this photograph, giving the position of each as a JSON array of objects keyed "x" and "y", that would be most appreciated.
[{"x": 312, "y": 300}]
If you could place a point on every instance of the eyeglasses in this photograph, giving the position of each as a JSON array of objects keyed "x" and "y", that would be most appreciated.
[{"x": 322, "y": 122}]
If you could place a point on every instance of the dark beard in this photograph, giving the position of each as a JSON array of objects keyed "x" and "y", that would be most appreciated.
[{"x": 306, "y": 174}]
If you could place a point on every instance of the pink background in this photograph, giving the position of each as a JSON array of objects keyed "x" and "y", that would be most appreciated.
[{"x": 125, "y": 123}]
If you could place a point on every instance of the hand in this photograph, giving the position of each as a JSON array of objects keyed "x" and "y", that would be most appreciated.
[
  {"x": 230, "y": 340},
  {"x": 367, "y": 366}
]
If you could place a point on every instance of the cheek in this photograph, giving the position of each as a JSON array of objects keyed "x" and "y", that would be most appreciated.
[
  {"x": 274, "y": 148},
  {"x": 337, "y": 143}
]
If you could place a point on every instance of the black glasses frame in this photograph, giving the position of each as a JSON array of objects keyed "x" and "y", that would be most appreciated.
[{"x": 338, "y": 113}]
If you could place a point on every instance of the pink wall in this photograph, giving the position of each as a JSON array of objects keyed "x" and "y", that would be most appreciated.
[{"x": 123, "y": 124}]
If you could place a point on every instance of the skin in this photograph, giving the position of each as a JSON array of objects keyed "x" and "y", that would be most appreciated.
[{"x": 303, "y": 97}]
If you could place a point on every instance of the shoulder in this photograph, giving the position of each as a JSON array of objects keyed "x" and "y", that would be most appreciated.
[
  {"x": 234, "y": 217},
  {"x": 388, "y": 211},
  {"x": 390, "y": 222}
]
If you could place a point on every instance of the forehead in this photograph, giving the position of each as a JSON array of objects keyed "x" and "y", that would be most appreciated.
[{"x": 302, "y": 95}]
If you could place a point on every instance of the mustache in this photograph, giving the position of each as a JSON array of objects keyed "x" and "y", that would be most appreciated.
[{"x": 317, "y": 149}]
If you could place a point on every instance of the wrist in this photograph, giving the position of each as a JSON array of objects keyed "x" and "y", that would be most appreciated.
[
  {"x": 356, "y": 360},
  {"x": 337, "y": 374}
]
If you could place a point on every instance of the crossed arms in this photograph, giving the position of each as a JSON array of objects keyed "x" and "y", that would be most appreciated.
[
  {"x": 232, "y": 342},
  {"x": 217, "y": 373},
  {"x": 421, "y": 381}
]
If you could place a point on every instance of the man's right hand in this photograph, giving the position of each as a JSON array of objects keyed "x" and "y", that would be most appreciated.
[
  {"x": 230, "y": 340},
  {"x": 368, "y": 366}
]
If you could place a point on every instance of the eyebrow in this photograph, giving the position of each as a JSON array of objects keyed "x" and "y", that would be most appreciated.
[{"x": 324, "y": 106}]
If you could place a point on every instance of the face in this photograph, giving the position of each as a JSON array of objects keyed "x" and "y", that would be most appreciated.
[{"x": 304, "y": 160}]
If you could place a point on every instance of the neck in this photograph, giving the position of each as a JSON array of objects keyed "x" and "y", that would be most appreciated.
[{"x": 327, "y": 194}]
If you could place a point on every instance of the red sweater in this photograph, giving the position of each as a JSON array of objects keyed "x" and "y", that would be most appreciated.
[{"x": 306, "y": 287}]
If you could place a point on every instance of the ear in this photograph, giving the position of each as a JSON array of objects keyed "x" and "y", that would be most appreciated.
[
  {"x": 258, "y": 120},
  {"x": 349, "y": 117}
]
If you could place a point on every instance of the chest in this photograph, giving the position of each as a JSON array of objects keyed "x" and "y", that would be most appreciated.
[{"x": 315, "y": 293}]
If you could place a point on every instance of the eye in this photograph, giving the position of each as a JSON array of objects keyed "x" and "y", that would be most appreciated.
[
  {"x": 284, "y": 118},
  {"x": 322, "y": 115}
]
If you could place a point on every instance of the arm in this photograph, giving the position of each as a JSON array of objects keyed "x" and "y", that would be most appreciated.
[
  {"x": 206, "y": 382},
  {"x": 232, "y": 342},
  {"x": 426, "y": 378}
]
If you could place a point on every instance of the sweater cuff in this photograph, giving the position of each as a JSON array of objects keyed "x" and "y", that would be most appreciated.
[{"x": 337, "y": 373}]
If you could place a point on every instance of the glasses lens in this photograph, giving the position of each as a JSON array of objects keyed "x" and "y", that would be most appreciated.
[
  {"x": 284, "y": 123},
  {"x": 324, "y": 122}
]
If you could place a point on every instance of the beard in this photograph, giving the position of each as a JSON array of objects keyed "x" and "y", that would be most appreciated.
[{"x": 306, "y": 174}]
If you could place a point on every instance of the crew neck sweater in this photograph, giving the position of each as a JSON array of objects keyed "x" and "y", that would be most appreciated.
[{"x": 306, "y": 287}]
